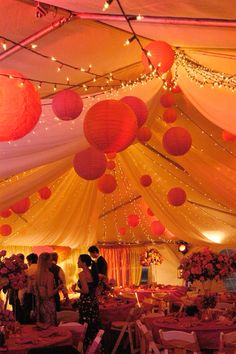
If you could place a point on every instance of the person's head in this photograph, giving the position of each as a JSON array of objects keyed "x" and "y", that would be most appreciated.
[
  {"x": 32, "y": 258},
  {"x": 44, "y": 263},
  {"x": 94, "y": 252},
  {"x": 21, "y": 257},
  {"x": 84, "y": 261},
  {"x": 54, "y": 257}
]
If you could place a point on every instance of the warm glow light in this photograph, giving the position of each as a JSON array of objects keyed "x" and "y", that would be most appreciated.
[
  {"x": 214, "y": 236},
  {"x": 33, "y": 45}
]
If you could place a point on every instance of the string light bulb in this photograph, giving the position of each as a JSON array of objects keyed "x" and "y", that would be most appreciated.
[
  {"x": 53, "y": 58},
  {"x": 39, "y": 85},
  {"x": 33, "y": 45},
  {"x": 55, "y": 88},
  {"x": 59, "y": 68},
  {"x": 130, "y": 40},
  {"x": 4, "y": 45},
  {"x": 107, "y": 5},
  {"x": 139, "y": 17}
]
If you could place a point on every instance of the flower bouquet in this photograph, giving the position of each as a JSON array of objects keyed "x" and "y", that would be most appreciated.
[
  {"x": 151, "y": 256},
  {"x": 12, "y": 272}
]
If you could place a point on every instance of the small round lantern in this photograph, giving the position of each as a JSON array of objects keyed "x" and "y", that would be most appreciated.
[
  {"x": 133, "y": 220},
  {"x": 170, "y": 115},
  {"x": 107, "y": 184},
  {"x": 139, "y": 108},
  {"x": 145, "y": 180},
  {"x": 176, "y": 196},
  {"x": 67, "y": 105},
  {"x": 90, "y": 164},
  {"x": 45, "y": 193},
  {"x": 157, "y": 228},
  {"x": 177, "y": 141},
  {"x": 110, "y": 126},
  {"x": 5, "y": 230},
  {"x": 167, "y": 100},
  {"x": 144, "y": 134},
  {"x": 5, "y": 213},
  {"x": 22, "y": 206},
  {"x": 122, "y": 231},
  {"x": 162, "y": 56}
]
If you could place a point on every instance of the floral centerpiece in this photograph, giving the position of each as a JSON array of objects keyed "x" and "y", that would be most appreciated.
[
  {"x": 151, "y": 256},
  {"x": 12, "y": 272}
]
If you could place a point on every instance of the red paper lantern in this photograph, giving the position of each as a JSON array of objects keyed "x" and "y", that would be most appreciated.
[
  {"x": 150, "y": 212},
  {"x": 110, "y": 126},
  {"x": 227, "y": 136},
  {"x": 167, "y": 100},
  {"x": 122, "y": 231},
  {"x": 144, "y": 134},
  {"x": 5, "y": 213},
  {"x": 138, "y": 106},
  {"x": 145, "y": 180},
  {"x": 157, "y": 228},
  {"x": 107, "y": 184},
  {"x": 111, "y": 155},
  {"x": 177, "y": 141},
  {"x": 22, "y": 206},
  {"x": 67, "y": 105},
  {"x": 5, "y": 230},
  {"x": 133, "y": 220},
  {"x": 90, "y": 164},
  {"x": 176, "y": 196},
  {"x": 111, "y": 165},
  {"x": 20, "y": 106},
  {"x": 162, "y": 56},
  {"x": 170, "y": 115},
  {"x": 45, "y": 193}
]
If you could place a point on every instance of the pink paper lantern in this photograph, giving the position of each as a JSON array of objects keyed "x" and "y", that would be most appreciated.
[
  {"x": 111, "y": 165},
  {"x": 169, "y": 115},
  {"x": 67, "y": 105},
  {"x": 227, "y": 136},
  {"x": 167, "y": 100},
  {"x": 144, "y": 134},
  {"x": 150, "y": 212},
  {"x": 110, "y": 126},
  {"x": 122, "y": 231},
  {"x": 45, "y": 193},
  {"x": 21, "y": 206},
  {"x": 157, "y": 228},
  {"x": 5, "y": 213},
  {"x": 133, "y": 220},
  {"x": 162, "y": 56},
  {"x": 177, "y": 141},
  {"x": 5, "y": 230},
  {"x": 176, "y": 196},
  {"x": 138, "y": 106},
  {"x": 90, "y": 164},
  {"x": 20, "y": 106},
  {"x": 145, "y": 180},
  {"x": 107, "y": 184}
]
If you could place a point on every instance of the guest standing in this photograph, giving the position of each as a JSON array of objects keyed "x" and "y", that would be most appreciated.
[
  {"x": 59, "y": 279},
  {"x": 29, "y": 300},
  {"x": 16, "y": 295},
  {"x": 88, "y": 304},
  {"x": 100, "y": 261},
  {"x": 45, "y": 290}
]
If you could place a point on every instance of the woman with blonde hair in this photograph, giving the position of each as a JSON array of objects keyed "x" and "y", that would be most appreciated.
[{"x": 45, "y": 290}]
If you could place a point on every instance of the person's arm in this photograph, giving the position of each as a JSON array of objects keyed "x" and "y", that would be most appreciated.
[
  {"x": 84, "y": 284},
  {"x": 63, "y": 281},
  {"x": 50, "y": 286}
]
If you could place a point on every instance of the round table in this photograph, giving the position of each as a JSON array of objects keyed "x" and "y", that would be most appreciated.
[
  {"x": 208, "y": 333},
  {"x": 115, "y": 311},
  {"x": 32, "y": 337}
]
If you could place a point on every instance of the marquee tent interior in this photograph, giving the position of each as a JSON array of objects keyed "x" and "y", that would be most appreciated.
[{"x": 74, "y": 34}]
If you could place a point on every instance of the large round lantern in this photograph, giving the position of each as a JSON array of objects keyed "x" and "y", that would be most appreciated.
[
  {"x": 5, "y": 230},
  {"x": 5, "y": 213},
  {"x": 67, "y": 105},
  {"x": 139, "y": 107},
  {"x": 161, "y": 56},
  {"x": 227, "y": 136},
  {"x": 170, "y": 115},
  {"x": 133, "y": 220},
  {"x": 111, "y": 165},
  {"x": 20, "y": 106},
  {"x": 144, "y": 134},
  {"x": 157, "y": 228},
  {"x": 167, "y": 100},
  {"x": 150, "y": 212},
  {"x": 177, "y": 141},
  {"x": 122, "y": 231},
  {"x": 22, "y": 206},
  {"x": 107, "y": 184},
  {"x": 176, "y": 196},
  {"x": 110, "y": 126},
  {"x": 90, "y": 164},
  {"x": 146, "y": 180},
  {"x": 45, "y": 193}
]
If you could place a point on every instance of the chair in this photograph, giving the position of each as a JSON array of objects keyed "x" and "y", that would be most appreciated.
[
  {"x": 78, "y": 333},
  {"x": 128, "y": 327},
  {"x": 172, "y": 340},
  {"x": 147, "y": 344},
  {"x": 54, "y": 350},
  {"x": 67, "y": 316},
  {"x": 227, "y": 342},
  {"x": 92, "y": 349}
]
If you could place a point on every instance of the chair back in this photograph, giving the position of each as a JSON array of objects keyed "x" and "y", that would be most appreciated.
[
  {"x": 147, "y": 344},
  {"x": 67, "y": 316},
  {"x": 92, "y": 349},
  {"x": 134, "y": 314},
  {"x": 180, "y": 340},
  {"x": 78, "y": 332},
  {"x": 227, "y": 341}
]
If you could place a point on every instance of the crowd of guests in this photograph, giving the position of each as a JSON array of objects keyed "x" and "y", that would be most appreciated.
[{"x": 40, "y": 300}]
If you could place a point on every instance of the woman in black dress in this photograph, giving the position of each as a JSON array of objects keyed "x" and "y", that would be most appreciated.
[{"x": 88, "y": 304}]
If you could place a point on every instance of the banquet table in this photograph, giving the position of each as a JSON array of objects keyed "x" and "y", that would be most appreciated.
[
  {"x": 208, "y": 333},
  {"x": 32, "y": 337},
  {"x": 114, "y": 311}
]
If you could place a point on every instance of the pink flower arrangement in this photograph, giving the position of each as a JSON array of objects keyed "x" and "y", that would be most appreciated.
[
  {"x": 151, "y": 256},
  {"x": 12, "y": 272},
  {"x": 206, "y": 265}
]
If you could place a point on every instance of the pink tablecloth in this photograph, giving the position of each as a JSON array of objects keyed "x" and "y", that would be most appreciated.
[
  {"x": 114, "y": 311},
  {"x": 208, "y": 333},
  {"x": 54, "y": 336},
  {"x": 172, "y": 292}
]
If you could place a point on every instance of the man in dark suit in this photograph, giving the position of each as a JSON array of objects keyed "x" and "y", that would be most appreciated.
[{"x": 100, "y": 262}]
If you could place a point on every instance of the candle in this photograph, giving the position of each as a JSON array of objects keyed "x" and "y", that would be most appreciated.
[{"x": 138, "y": 303}]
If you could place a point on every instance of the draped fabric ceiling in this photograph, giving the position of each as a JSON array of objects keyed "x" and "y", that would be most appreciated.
[{"x": 77, "y": 214}]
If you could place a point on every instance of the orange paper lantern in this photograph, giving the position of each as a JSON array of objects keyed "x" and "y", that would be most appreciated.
[
  {"x": 176, "y": 196},
  {"x": 162, "y": 56},
  {"x": 111, "y": 165},
  {"x": 227, "y": 136},
  {"x": 90, "y": 164},
  {"x": 5, "y": 213},
  {"x": 157, "y": 228},
  {"x": 67, "y": 105},
  {"x": 107, "y": 184},
  {"x": 45, "y": 193},
  {"x": 133, "y": 220},
  {"x": 167, "y": 100},
  {"x": 122, "y": 231},
  {"x": 139, "y": 108},
  {"x": 110, "y": 126},
  {"x": 5, "y": 230},
  {"x": 177, "y": 141},
  {"x": 144, "y": 134},
  {"x": 22, "y": 206},
  {"x": 170, "y": 115},
  {"x": 20, "y": 106},
  {"x": 145, "y": 180}
]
